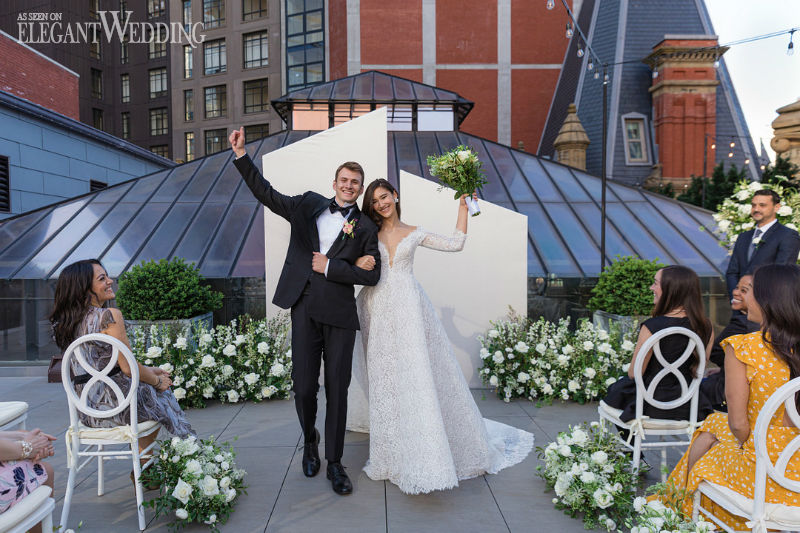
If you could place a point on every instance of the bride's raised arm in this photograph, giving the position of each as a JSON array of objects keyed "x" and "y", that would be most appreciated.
[{"x": 455, "y": 243}]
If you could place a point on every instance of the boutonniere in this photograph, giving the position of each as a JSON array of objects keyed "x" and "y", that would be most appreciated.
[
  {"x": 348, "y": 228},
  {"x": 758, "y": 241}
]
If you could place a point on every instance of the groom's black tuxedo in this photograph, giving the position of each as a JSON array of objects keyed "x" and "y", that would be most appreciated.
[
  {"x": 779, "y": 245},
  {"x": 324, "y": 318}
]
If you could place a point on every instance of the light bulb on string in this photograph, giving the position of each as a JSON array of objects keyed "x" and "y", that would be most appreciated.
[
  {"x": 733, "y": 144},
  {"x": 569, "y": 30},
  {"x": 605, "y": 78},
  {"x": 747, "y": 161},
  {"x": 590, "y": 66},
  {"x": 580, "y": 52},
  {"x": 551, "y": 4},
  {"x": 716, "y": 63},
  {"x": 730, "y": 154},
  {"x": 655, "y": 74},
  {"x": 713, "y": 146},
  {"x": 790, "y": 49},
  {"x": 597, "y": 74}
]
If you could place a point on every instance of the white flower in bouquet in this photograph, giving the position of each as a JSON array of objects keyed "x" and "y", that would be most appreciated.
[
  {"x": 602, "y": 334},
  {"x": 541, "y": 348},
  {"x": 207, "y": 361},
  {"x": 610, "y": 381},
  {"x": 182, "y": 491},
  {"x": 229, "y": 350},
  {"x": 602, "y": 498},
  {"x": 744, "y": 209},
  {"x": 267, "y": 392},
  {"x": 547, "y": 388},
  {"x": 588, "y": 345},
  {"x": 565, "y": 450},
  {"x": 589, "y": 372},
  {"x": 567, "y": 349},
  {"x": 166, "y": 367},
  {"x": 604, "y": 348},
  {"x": 463, "y": 155},
  {"x": 484, "y": 353},
  {"x": 493, "y": 381},
  {"x": 498, "y": 357},
  {"x": 599, "y": 457},
  {"x": 573, "y": 385},
  {"x": 206, "y": 339},
  {"x": 208, "y": 391},
  {"x": 224, "y": 465},
  {"x": 523, "y": 377},
  {"x": 251, "y": 378},
  {"x": 180, "y": 343},
  {"x": 209, "y": 486},
  {"x": 233, "y": 396},
  {"x": 639, "y": 503},
  {"x": 521, "y": 347},
  {"x": 176, "y": 458},
  {"x": 493, "y": 333},
  {"x": 588, "y": 477},
  {"x": 277, "y": 370},
  {"x": 563, "y": 360},
  {"x": 227, "y": 371},
  {"x": 625, "y": 367},
  {"x": 153, "y": 352},
  {"x": 723, "y": 225},
  {"x": 180, "y": 393},
  {"x": 230, "y": 494},
  {"x": 743, "y": 195},
  {"x": 580, "y": 437},
  {"x": 610, "y": 525},
  {"x": 182, "y": 513},
  {"x": 785, "y": 211},
  {"x": 194, "y": 467},
  {"x": 627, "y": 345},
  {"x": 219, "y": 458},
  {"x": 263, "y": 347},
  {"x": 211, "y": 519},
  {"x": 225, "y": 482},
  {"x": 177, "y": 380}
]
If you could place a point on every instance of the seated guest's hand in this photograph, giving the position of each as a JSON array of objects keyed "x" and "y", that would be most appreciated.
[{"x": 365, "y": 262}]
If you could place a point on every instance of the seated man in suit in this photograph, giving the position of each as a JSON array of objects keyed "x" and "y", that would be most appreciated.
[{"x": 770, "y": 242}]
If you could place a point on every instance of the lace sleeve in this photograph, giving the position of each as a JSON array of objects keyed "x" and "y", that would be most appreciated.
[{"x": 455, "y": 243}]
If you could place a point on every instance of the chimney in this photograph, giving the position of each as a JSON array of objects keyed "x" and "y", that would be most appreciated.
[
  {"x": 572, "y": 141},
  {"x": 684, "y": 94}
]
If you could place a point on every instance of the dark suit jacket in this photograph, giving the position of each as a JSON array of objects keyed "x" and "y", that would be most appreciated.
[
  {"x": 331, "y": 299},
  {"x": 779, "y": 245}
]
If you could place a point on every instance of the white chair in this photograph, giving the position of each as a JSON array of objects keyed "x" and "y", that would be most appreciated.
[
  {"x": 34, "y": 508},
  {"x": 761, "y": 515},
  {"x": 13, "y": 415},
  {"x": 642, "y": 426},
  {"x": 94, "y": 439}
]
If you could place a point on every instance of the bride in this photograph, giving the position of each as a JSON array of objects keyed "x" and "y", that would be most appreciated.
[{"x": 407, "y": 391}]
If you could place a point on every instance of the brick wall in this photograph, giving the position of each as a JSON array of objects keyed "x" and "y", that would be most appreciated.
[{"x": 25, "y": 73}]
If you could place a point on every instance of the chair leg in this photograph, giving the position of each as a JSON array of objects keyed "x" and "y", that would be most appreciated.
[
  {"x": 47, "y": 522},
  {"x": 101, "y": 489},
  {"x": 663, "y": 464},
  {"x": 137, "y": 472},
  {"x": 68, "y": 495},
  {"x": 696, "y": 506},
  {"x": 637, "y": 453}
]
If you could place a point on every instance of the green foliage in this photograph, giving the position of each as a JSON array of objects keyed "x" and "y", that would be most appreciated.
[
  {"x": 165, "y": 290},
  {"x": 784, "y": 173},
  {"x": 718, "y": 187},
  {"x": 624, "y": 286},
  {"x": 663, "y": 188}
]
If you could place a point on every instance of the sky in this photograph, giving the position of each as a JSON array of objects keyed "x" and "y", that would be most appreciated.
[{"x": 764, "y": 76}]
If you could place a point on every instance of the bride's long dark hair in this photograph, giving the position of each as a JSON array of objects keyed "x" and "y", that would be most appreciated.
[
  {"x": 366, "y": 206},
  {"x": 73, "y": 297}
]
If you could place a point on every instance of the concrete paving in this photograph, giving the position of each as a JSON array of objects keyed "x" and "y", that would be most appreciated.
[{"x": 279, "y": 498}]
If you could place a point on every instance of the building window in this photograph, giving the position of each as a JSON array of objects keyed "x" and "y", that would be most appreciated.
[
  {"x": 213, "y": 13},
  {"x": 94, "y": 44},
  {"x": 155, "y": 8},
  {"x": 305, "y": 43},
  {"x": 398, "y": 117},
  {"x": 254, "y": 9},
  {"x": 158, "y": 82},
  {"x": 157, "y": 45},
  {"x": 158, "y": 121},
  {"x": 216, "y": 101},
  {"x": 635, "y": 137},
  {"x": 256, "y": 97},
  {"x": 5, "y": 185},
  {"x": 312, "y": 116},
  {"x": 123, "y": 50},
  {"x": 95, "y": 185},
  {"x": 97, "y": 118},
  {"x": 214, "y": 57},
  {"x": 188, "y": 105},
  {"x": 256, "y": 50},
  {"x": 126, "y": 125},
  {"x": 187, "y": 15},
  {"x": 126, "y": 88},
  {"x": 187, "y": 61},
  {"x": 160, "y": 149},
  {"x": 255, "y": 132},
  {"x": 188, "y": 140},
  {"x": 97, "y": 84},
  {"x": 346, "y": 112},
  {"x": 215, "y": 140},
  {"x": 437, "y": 117}
]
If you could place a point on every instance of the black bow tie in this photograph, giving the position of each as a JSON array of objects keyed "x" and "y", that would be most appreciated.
[{"x": 334, "y": 207}]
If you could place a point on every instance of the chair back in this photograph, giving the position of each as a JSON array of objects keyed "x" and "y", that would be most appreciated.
[
  {"x": 75, "y": 358},
  {"x": 689, "y": 391},
  {"x": 764, "y": 466}
]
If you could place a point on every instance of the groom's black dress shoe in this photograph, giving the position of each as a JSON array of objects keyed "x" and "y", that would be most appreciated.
[
  {"x": 339, "y": 481},
  {"x": 311, "y": 462}
]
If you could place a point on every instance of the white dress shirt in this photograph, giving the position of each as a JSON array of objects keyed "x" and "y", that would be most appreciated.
[
  {"x": 328, "y": 226},
  {"x": 765, "y": 227}
]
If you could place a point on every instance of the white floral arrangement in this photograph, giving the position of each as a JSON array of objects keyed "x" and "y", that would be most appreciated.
[
  {"x": 232, "y": 363},
  {"x": 591, "y": 475},
  {"x": 198, "y": 481},
  {"x": 543, "y": 361},
  {"x": 733, "y": 215},
  {"x": 655, "y": 517}
]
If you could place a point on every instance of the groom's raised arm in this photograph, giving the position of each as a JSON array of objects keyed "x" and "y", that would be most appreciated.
[
  {"x": 341, "y": 271},
  {"x": 278, "y": 203}
]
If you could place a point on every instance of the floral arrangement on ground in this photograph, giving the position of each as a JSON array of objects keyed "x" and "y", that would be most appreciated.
[
  {"x": 591, "y": 475},
  {"x": 198, "y": 481},
  {"x": 543, "y": 360},
  {"x": 654, "y": 517},
  {"x": 245, "y": 360}
]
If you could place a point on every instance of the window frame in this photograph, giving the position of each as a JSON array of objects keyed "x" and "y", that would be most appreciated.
[
  {"x": 188, "y": 137},
  {"x": 221, "y": 132},
  {"x": 262, "y": 44},
  {"x": 188, "y": 105},
  {"x": 125, "y": 124},
  {"x": 125, "y": 88},
  {"x": 263, "y": 88},
  {"x": 162, "y": 71},
  {"x": 188, "y": 62},
  {"x": 644, "y": 141},
  {"x": 307, "y": 44},
  {"x": 158, "y": 121},
  {"x": 97, "y": 83},
  {"x": 209, "y": 48},
  {"x": 260, "y": 13},
  {"x": 156, "y": 8},
  {"x": 217, "y": 6},
  {"x": 222, "y": 104}
]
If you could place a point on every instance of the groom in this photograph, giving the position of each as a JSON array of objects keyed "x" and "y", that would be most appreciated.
[{"x": 327, "y": 236}]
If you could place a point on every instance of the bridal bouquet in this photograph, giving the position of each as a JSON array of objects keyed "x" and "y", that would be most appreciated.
[
  {"x": 590, "y": 474},
  {"x": 459, "y": 169},
  {"x": 654, "y": 517},
  {"x": 198, "y": 480}
]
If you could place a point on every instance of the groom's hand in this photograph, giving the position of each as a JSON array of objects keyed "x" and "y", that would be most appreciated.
[
  {"x": 237, "y": 142},
  {"x": 319, "y": 262},
  {"x": 365, "y": 262}
]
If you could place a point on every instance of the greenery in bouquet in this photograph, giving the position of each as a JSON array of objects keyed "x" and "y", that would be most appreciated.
[
  {"x": 198, "y": 481},
  {"x": 165, "y": 290},
  {"x": 624, "y": 286},
  {"x": 246, "y": 360},
  {"x": 459, "y": 169},
  {"x": 654, "y": 517},
  {"x": 544, "y": 360},
  {"x": 733, "y": 214},
  {"x": 590, "y": 474}
]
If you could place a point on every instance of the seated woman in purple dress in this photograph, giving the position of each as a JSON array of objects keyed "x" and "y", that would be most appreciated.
[
  {"x": 21, "y": 468},
  {"x": 82, "y": 292}
]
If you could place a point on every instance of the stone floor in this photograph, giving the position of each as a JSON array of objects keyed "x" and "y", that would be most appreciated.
[{"x": 280, "y": 498}]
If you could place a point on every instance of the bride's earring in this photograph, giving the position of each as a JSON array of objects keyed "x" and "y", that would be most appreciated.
[{"x": 396, "y": 200}]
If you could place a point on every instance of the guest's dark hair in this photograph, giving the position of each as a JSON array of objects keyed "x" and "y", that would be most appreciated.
[
  {"x": 366, "y": 206},
  {"x": 776, "y": 199},
  {"x": 680, "y": 288},
  {"x": 73, "y": 297},
  {"x": 776, "y": 289}
]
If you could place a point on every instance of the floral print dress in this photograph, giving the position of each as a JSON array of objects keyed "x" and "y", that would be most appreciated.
[{"x": 17, "y": 480}]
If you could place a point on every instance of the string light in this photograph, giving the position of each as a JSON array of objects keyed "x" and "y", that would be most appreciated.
[
  {"x": 790, "y": 49},
  {"x": 713, "y": 146},
  {"x": 733, "y": 144},
  {"x": 551, "y": 4},
  {"x": 655, "y": 74},
  {"x": 580, "y": 52},
  {"x": 590, "y": 66},
  {"x": 570, "y": 33},
  {"x": 597, "y": 74},
  {"x": 730, "y": 154},
  {"x": 747, "y": 161}
]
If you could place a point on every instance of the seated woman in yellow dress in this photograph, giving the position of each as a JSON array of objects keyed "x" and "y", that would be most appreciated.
[{"x": 756, "y": 365}]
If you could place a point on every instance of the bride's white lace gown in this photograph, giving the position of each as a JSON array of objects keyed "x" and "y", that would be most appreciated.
[{"x": 407, "y": 389}]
